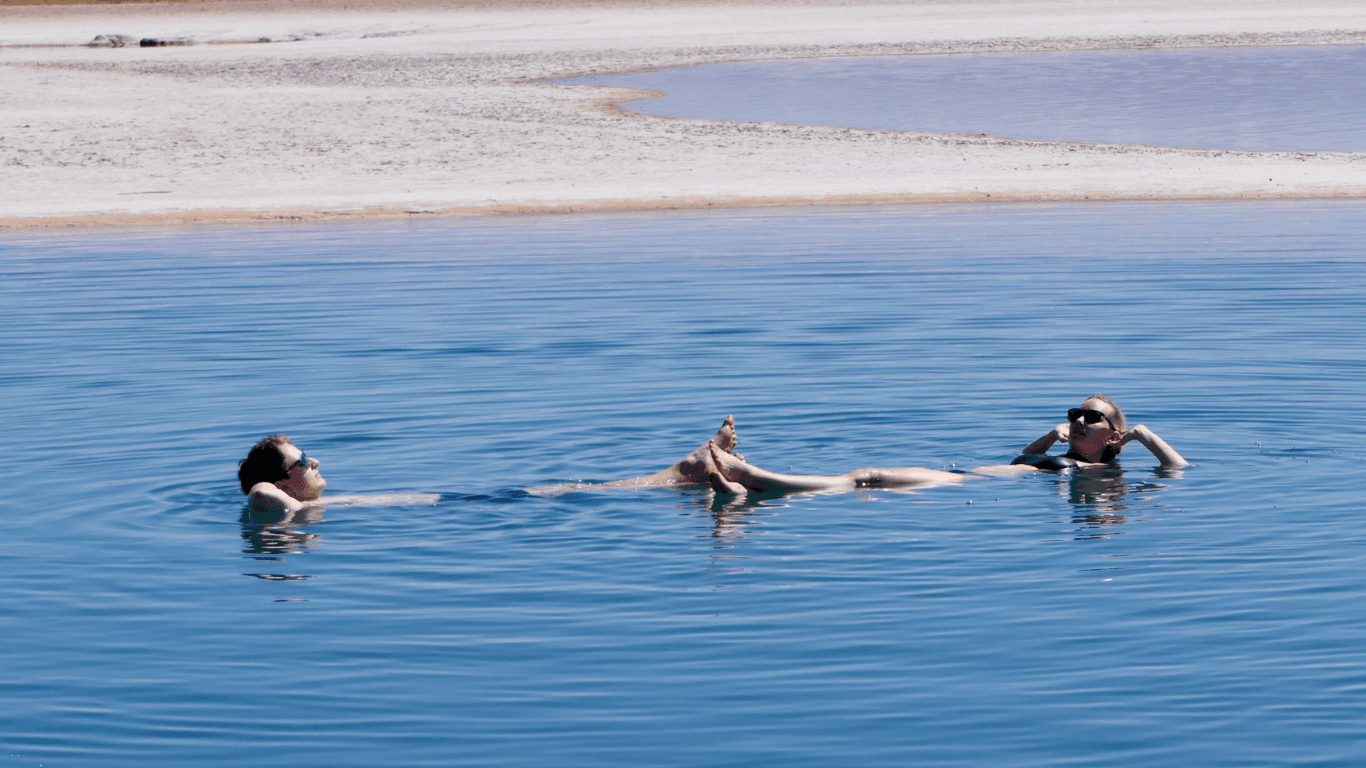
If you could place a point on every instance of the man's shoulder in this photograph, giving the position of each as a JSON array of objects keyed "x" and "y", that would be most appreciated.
[{"x": 265, "y": 499}]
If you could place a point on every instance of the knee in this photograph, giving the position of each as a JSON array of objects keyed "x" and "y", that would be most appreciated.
[{"x": 868, "y": 477}]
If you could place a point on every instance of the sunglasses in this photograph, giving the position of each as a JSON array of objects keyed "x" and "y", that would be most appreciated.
[
  {"x": 1089, "y": 416},
  {"x": 302, "y": 462}
]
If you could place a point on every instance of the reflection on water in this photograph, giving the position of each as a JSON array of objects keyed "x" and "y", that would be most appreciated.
[
  {"x": 734, "y": 517},
  {"x": 953, "y": 626},
  {"x": 281, "y": 536},
  {"x": 279, "y": 576},
  {"x": 1097, "y": 497},
  {"x": 1100, "y": 495},
  {"x": 279, "y": 539},
  {"x": 1263, "y": 98}
]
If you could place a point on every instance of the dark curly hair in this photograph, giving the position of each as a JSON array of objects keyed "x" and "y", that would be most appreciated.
[{"x": 264, "y": 464}]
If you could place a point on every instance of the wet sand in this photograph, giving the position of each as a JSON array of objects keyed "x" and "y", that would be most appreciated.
[{"x": 331, "y": 109}]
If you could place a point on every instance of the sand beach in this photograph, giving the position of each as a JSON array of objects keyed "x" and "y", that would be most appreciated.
[{"x": 237, "y": 110}]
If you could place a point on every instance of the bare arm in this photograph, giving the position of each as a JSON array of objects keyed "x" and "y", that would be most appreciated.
[
  {"x": 1165, "y": 454},
  {"x": 268, "y": 504},
  {"x": 1041, "y": 446}
]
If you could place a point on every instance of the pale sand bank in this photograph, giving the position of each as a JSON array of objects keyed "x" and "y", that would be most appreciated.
[{"x": 361, "y": 109}]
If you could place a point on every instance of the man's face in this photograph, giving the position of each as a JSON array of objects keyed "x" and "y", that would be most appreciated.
[{"x": 303, "y": 483}]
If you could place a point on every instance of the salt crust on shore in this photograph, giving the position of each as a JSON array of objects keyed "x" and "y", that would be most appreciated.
[{"x": 356, "y": 109}]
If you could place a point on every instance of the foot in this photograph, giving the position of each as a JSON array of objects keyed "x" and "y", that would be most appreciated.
[
  {"x": 735, "y": 473},
  {"x": 729, "y": 467},
  {"x": 724, "y": 487},
  {"x": 696, "y": 467}
]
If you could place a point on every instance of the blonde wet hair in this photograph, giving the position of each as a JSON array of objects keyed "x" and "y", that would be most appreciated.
[{"x": 1117, "y": 422}]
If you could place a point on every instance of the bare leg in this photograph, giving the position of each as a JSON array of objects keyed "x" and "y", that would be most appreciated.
[
  {"x": 735, "y": 470},
  {"x": 695, "y": 468},
  {"x": 904, "y": 477},
  {"x": 724, "y": 487}
]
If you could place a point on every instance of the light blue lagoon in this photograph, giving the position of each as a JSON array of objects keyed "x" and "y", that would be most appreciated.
[
  {"x": 1291, "y": 98},
  {"x": 1132, "y": 618}
]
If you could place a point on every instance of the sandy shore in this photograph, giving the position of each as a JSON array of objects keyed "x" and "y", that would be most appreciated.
[{"x": 319, "y": 109}]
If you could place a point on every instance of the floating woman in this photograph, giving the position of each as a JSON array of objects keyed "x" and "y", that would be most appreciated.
[{"x": 1095, "y": 433}]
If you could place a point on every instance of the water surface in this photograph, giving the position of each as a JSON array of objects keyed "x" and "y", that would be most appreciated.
[
  {"x": 1129, "y": 618},
  {"x": 1262, "y": 98}
]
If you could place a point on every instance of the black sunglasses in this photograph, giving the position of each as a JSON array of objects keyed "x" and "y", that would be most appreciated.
[
  {"x": 1089, "y": 416},
  {"x": 303, "y": 460}
]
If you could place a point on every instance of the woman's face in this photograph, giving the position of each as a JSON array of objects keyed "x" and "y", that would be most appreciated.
[{"x": 1090, "y": 429}]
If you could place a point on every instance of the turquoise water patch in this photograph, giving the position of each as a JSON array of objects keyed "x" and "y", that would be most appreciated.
[
  {"x": 1126, "y": 618},
  {"x": 1264, "y": 98}
]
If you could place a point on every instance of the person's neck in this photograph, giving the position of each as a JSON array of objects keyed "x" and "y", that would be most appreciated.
[{"x": 1079, "y": 456}]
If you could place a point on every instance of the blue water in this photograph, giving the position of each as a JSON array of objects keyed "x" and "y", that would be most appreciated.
[
  {"x": 1208, "y": 616},
  {"x": 1291, "y": 98}
]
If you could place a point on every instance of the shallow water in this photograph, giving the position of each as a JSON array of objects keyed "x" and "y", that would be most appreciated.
[
  {"x": 1291, "y": 98},
  {"x": 1131, "y": 619}
]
